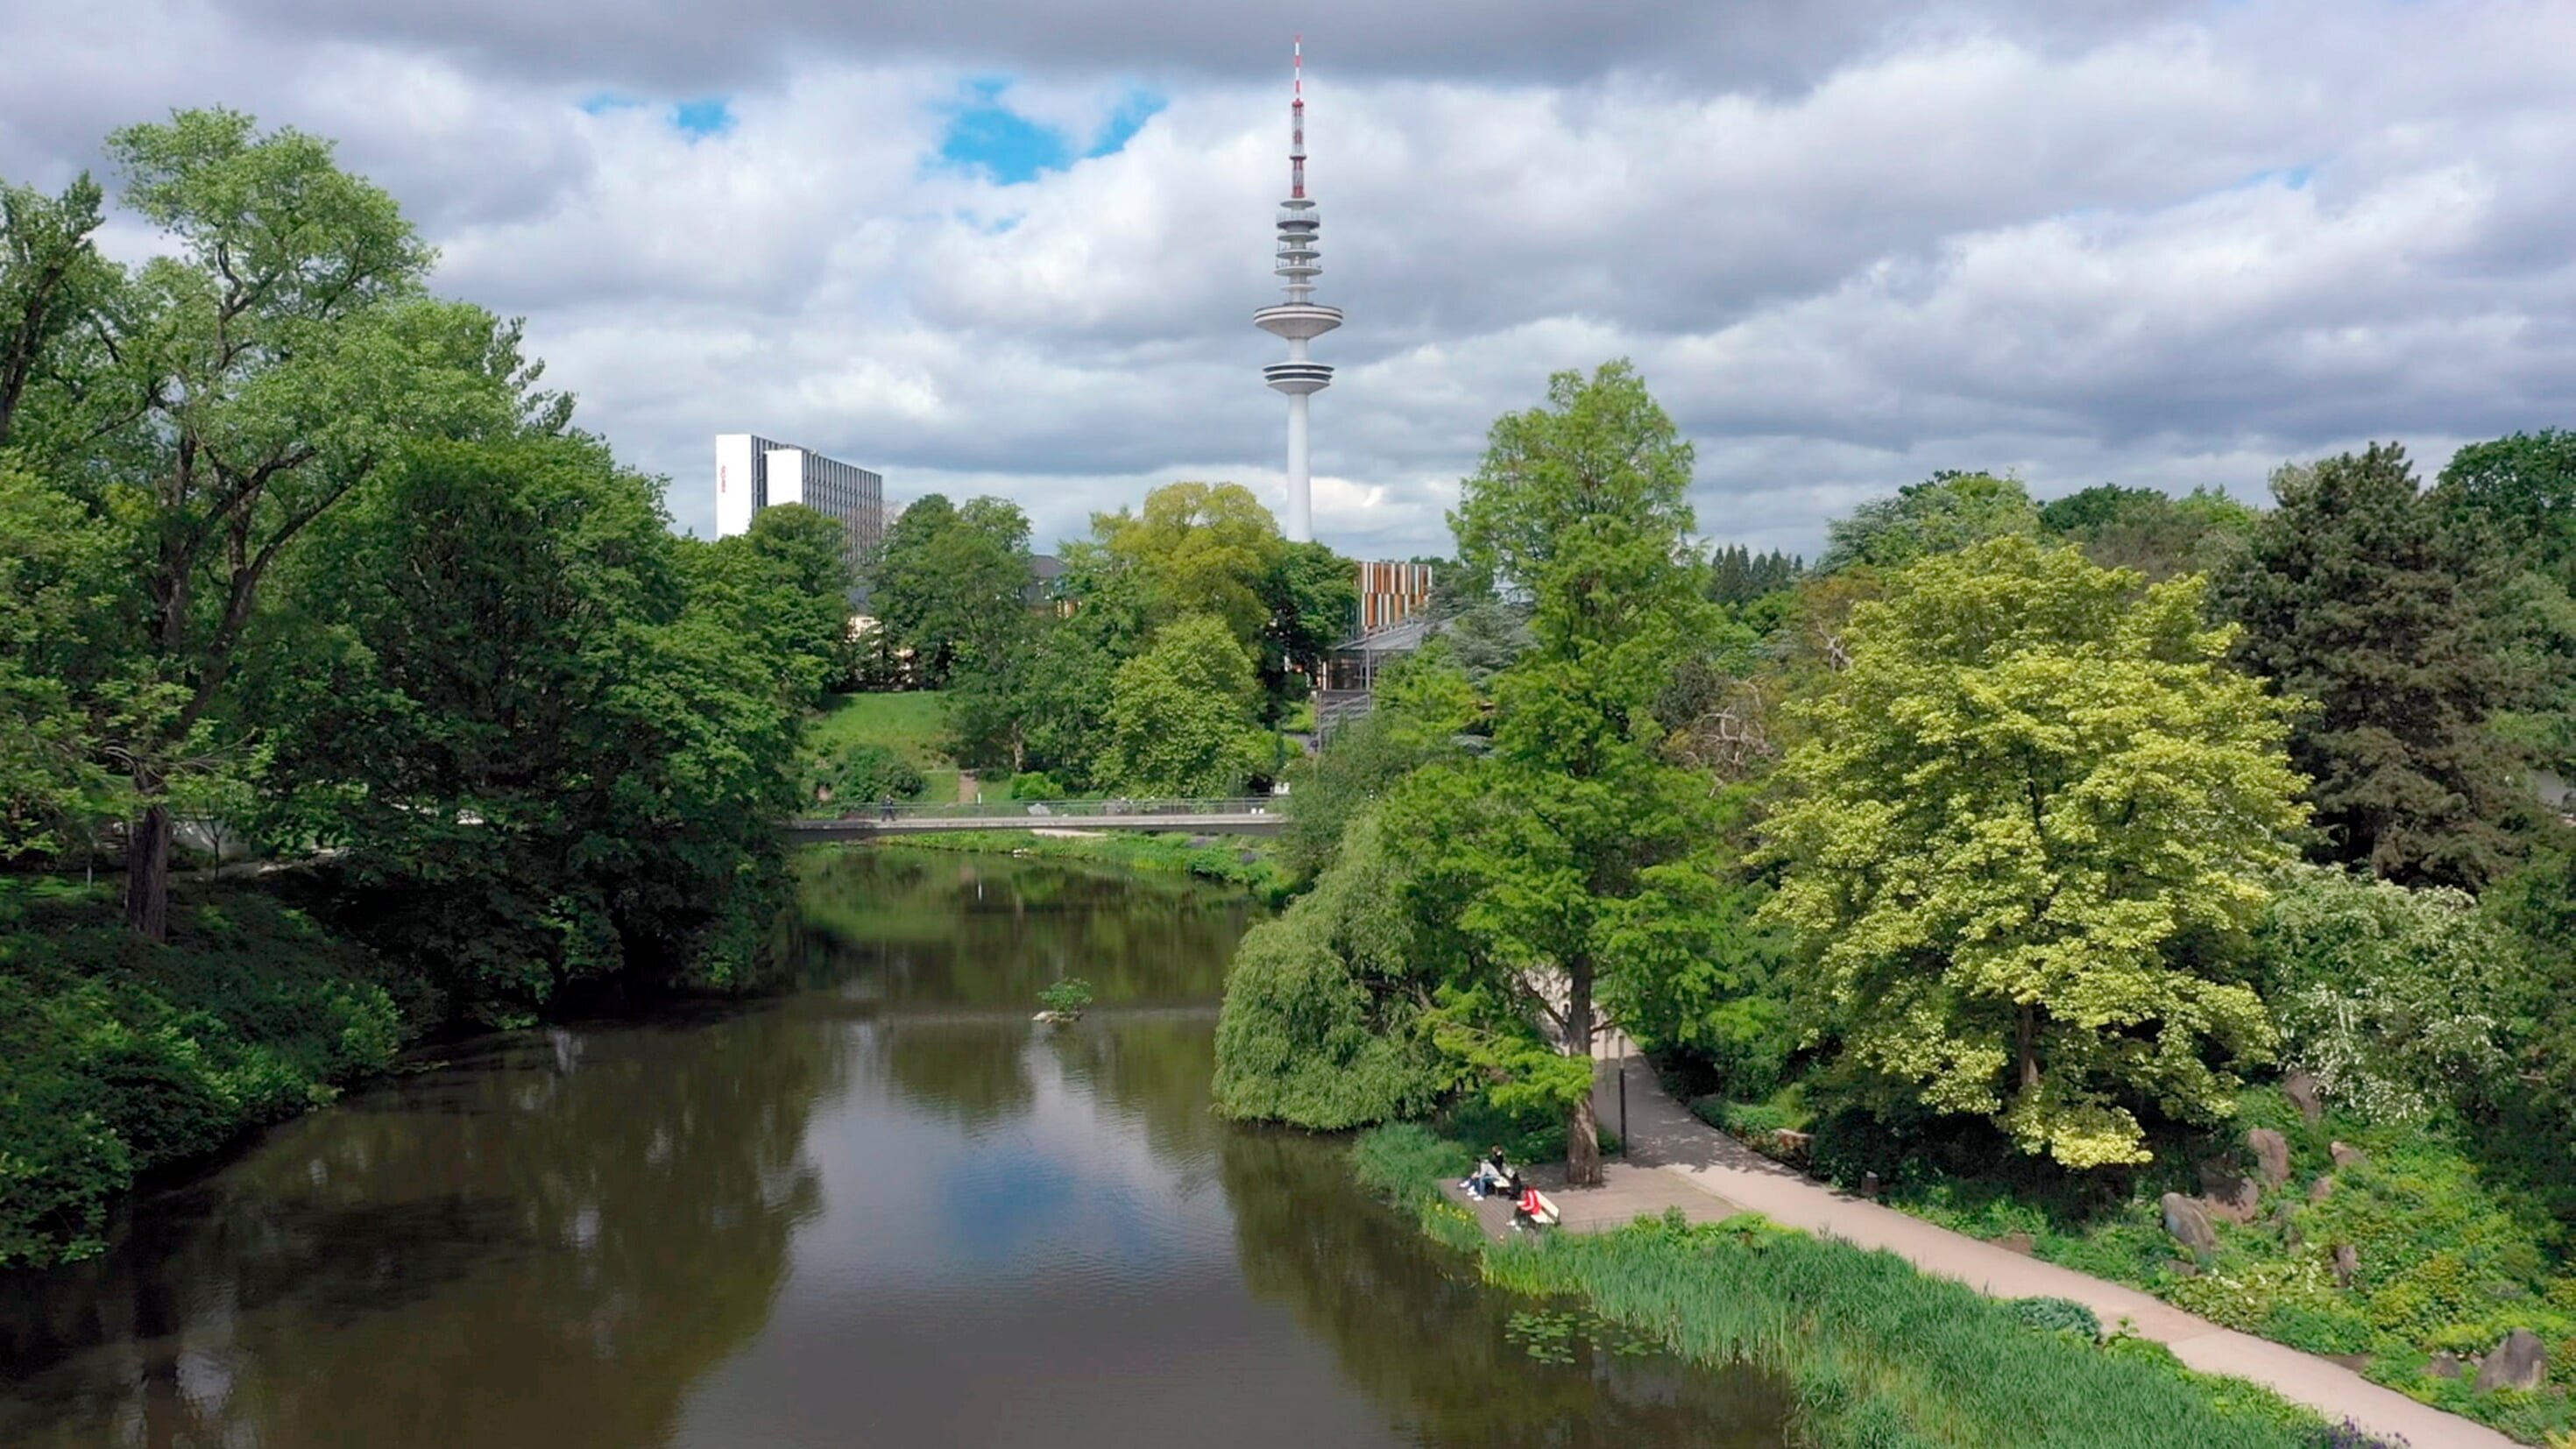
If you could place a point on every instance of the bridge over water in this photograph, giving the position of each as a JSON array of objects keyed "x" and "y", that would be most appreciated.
[{"x": 1260, "y": 815}]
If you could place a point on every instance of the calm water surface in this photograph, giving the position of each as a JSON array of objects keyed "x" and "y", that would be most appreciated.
[{"x": 879, "y": 1210}]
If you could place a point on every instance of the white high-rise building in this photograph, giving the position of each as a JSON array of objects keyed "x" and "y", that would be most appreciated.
[
  {"x": 1301, "y": 318},
  {"x": 753, "y": 473}
]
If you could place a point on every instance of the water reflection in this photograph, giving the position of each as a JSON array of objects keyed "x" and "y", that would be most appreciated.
[{"x": 884, "y": 1209}]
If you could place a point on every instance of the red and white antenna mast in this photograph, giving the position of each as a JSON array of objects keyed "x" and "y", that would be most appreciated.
[{"x": 1297, "y": 119}]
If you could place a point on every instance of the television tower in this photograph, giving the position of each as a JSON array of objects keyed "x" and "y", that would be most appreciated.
[{"x": 1300, "y": 319}]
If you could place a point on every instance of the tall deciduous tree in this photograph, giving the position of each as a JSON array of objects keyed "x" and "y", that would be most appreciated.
[
  {"x": 2355, "y": 597},
  {"x": 1181, "y": 714},
  {"x": 2025, "y": 835},
  {"x": 1569, "y": 866},
  {"x": 53, "y": 283},
  {"x": 951, "y": 585},
  {"x": 246, "y": 386},
  {"x": 1199, "y": 548}
]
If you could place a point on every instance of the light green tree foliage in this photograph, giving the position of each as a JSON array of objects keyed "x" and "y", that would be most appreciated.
[
  {"x": 2397, "y": 1000},
  {"x": 1181, "y": 715},
  {"x": 2025, "y": 835},
  {"x": 1944, "y": 513},
  {"x": 1322, "y": 1026},
  {"x": 1573, "y": 863},
  {"x": 1198, "y": 548},
  {"x": 53, "y": 282}
]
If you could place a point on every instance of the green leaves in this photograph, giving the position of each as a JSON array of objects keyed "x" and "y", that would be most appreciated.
[
  {"x": 1181, "y": 715},
  {"x": 2023, "y": 840},
  {"x": 2354, "y": 595}
]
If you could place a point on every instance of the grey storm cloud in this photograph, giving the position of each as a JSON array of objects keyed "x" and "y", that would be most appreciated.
[
  {"x": 1848, "y": 242},
  {"x": 1757, "y": 43}
]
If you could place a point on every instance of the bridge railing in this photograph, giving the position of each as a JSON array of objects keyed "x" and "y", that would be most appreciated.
[{"x": 1022, "y": 813}]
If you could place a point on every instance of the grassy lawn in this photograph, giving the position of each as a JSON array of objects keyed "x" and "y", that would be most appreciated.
[{"x": 912, "y": 725}]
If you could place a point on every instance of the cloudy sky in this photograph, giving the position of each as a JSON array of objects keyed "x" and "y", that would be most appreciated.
[{"x": 1012, "y": 246}]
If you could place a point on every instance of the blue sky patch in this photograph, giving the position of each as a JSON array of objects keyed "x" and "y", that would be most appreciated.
[
  {"x": 703, "y": 117},
  {"x": 1136, "y": 108},
  {"x": 607, "y": 101},
  {"x": 985, "y": 134}
]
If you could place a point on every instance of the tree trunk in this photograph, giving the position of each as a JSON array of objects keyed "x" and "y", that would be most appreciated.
[
  {"x": 147, "y": 875},
  {"x": 2029, "y": 1047},
  {"x": 1582, "y": 1129}
]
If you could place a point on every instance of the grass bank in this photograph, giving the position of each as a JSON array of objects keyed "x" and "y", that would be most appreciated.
[
  {"x": 118, "y": 1056},
  {"x": 2448, "y": 1254},
  {"x": 1880, "y": 1354},
  {"x": 912, "y": 724},
  {"x": 1248, "y": 862}
]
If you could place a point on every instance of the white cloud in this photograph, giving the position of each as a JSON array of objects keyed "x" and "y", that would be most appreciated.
[{"x": 2164, "y": 244}]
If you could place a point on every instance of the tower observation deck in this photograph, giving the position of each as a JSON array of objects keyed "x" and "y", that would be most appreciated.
[{"x": 1300, "y": 319}]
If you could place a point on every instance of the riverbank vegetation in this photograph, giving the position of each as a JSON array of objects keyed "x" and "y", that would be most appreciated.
[
  {"x": 1245, "y": 862},
  {"x": 2176, "y": 885},
  {"x": 1879, "y": 1353},
  {"x": 300, "y": 564}
]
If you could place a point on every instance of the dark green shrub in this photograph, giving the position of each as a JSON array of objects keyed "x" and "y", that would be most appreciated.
[
  {"x": 862, "y": 774},
  {"x": 2057, "y": 1315},
  {"x": 117, "y": 1056}
]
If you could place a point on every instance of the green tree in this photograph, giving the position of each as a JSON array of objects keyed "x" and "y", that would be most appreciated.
[
  {"x": 2353, "y": 596},
  {"x": 1567, "y": 869},
  {"x": 1180, "y": 717},
  {"x": 1199, "y": 548},
  {"x": 2023, "y": 840},
  {"x": 951, "y": 586},
  {"x": 256, "y": 379},
  {"x": 1313, "y": 597},
  {"x": 2515, "y": 498},
  {"x": 1321, "y": 1027},
  {"x": 2396, "y": 1000},
  {"x": 545, "y": 759},
  {"x": 788, "y": 580},
  {"x": 2142, "y": 529},
  {"x": 1738, "y": 576},
  {"x": 1943, "y": 513},
  {"x": 61, "y": 584},
  {"x": 52, "y": 281}
]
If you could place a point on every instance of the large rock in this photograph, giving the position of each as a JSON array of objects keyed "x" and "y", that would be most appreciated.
[
  {"x": 2301, "y": 1089},
  {"x": 2271, "y": 1155},
  {"x": 2188, "y": 1221},
  {"x": 2520, "y": 1362},
  {"x": 2226, "y": 1192},
  {"x": 2444, "y": 1366},
  {"x": 2345, "y": 1154},
  {"x": 2241, "y": 1202},
  {"x": 2321, "y": 1189},
  {"x": 2347, "y": 1262}
]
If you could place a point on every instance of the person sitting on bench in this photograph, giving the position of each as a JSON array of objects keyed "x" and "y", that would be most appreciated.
[{"x": 1491, "y": 1172}]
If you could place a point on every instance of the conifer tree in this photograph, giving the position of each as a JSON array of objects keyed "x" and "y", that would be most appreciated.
[{"x": 2354, "y": 597}]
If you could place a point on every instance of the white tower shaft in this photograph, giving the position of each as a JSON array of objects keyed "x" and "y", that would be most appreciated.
[{"x": 1299, "y": 319}]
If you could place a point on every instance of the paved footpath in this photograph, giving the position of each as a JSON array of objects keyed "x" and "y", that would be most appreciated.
[{"x": 1663, "y": 1136}]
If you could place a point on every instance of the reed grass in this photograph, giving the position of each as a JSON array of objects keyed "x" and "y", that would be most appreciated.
[{"x": 1880, "y": 1355}]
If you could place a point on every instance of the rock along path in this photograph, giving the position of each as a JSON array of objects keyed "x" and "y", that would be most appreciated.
[{"x": 1664, "y": 1137}]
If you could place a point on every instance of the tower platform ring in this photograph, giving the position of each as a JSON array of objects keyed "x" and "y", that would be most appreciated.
[
  {"x": 1297, "y": 320},
  {"x": 1298, "y": 378}
]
